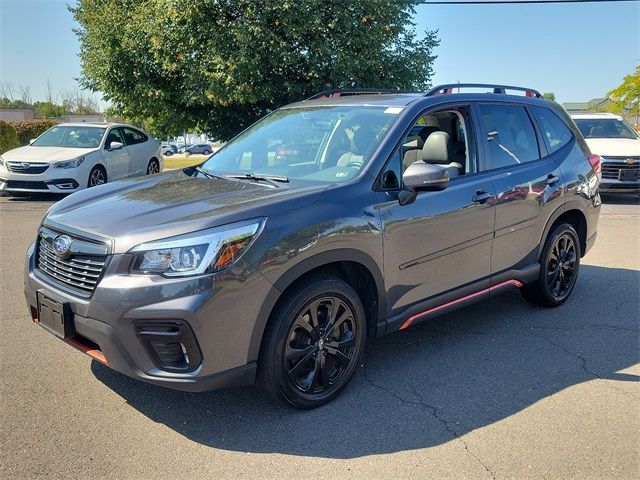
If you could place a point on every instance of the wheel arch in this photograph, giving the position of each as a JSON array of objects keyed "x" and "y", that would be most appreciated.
[
  {"x": 572, "y": 213},
  {"x": 356, "y": 268}
]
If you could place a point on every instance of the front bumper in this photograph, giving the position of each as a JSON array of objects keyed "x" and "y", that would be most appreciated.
[
  {"x": 620, "y": 176},
  {"x": 53, "y": 180},
  {"x": 216, "y": 307}
]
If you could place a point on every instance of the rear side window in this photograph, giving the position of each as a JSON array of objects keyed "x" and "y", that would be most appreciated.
[
  {"x": 555, "y": 132},
  {"x": 132, "y": 136},
  {"x": 508, "y": 135}
]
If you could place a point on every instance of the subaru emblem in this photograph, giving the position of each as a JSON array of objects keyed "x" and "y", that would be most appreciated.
[{"x": 61, "y": 245}]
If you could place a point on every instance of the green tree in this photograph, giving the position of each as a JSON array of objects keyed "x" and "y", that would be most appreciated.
[
  {"x": 626, "y": 97},
  {"x": 549, "y": 96},
  {"x": 48, "y": 110},
  {"x": 218, "y": 65}
]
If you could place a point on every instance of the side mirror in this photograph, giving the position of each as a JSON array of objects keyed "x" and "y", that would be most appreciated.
[
  {"x": 31, "y": 141},
  {"x": 420, "y": 177},
  {"x": 115, "y": 146}
]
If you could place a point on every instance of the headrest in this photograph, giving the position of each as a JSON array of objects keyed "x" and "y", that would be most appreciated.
[
  {"x": 362, "y": 140},
  {"x": 424, "y": 133},
  {"x": 437, "y": 148}
]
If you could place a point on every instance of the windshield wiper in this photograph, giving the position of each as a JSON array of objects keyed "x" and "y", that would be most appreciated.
[
  {"x": 257, "y": 177},
  {"x": 207, "y": 174}
]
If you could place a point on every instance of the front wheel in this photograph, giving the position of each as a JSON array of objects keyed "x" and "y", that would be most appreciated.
[
  {"x": 313, "y": 343},
  {"x": 559, "y": 266},
  {"x": 206, "y": 152},
  {"x": 97, "y": 176}
]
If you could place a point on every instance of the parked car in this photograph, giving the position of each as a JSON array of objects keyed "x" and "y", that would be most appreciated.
[
  {"x": 168, "y": 150},
  {"x": 247, "y": 268},
  {"x": 203, "y": 148},
  {"x": 618, "y": 144},
  {"x": 72, "y": 156}
]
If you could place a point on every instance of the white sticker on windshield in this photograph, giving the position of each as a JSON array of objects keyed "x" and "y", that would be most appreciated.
[{"x": 393, "y": 110}]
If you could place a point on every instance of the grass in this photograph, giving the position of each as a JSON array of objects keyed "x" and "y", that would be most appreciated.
[{"x": 180, "y": 161}]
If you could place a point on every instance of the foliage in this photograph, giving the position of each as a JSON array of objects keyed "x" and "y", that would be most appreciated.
[
  {"x": 218, "y": 65},
  {"x": 49, "y": 110},
  {"x": 7, "y": 103},
  {"x": 28, "y": 129},
  {"x": 8, "y": 137},
  {"x": 627, "y": 95},
  {"x": 549, "y": 96}
]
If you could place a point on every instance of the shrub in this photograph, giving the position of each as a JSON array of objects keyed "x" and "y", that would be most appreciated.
[
  {"x": 8, "y": 137},
  {"x": 28, "y": 129}
]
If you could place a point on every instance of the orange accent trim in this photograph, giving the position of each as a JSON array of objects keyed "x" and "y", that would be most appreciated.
[
  {"x": 95, "y": 354},
  {"x": 410, "y": 320}
]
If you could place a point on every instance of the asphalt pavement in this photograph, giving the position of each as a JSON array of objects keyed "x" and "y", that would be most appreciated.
[{"x": 497, "y": 390}]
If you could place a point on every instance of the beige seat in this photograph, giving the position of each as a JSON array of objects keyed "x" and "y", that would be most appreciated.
[
  {"x": 438, "y": 150},
  {"x": 416, "y": 154},
  {"x": 361, "y": 142}
]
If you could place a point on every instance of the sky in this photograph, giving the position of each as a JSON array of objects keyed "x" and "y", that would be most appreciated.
[{"x": 577, "y": 51}]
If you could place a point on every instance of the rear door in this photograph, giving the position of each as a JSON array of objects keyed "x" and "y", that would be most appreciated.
[
  {"x": 117, "y": 159},
  {"x": 139, "y": 157},
  {"x": 526, "y": 181}
]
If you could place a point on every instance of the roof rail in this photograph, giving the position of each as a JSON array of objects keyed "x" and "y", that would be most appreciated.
[
  {"x": 499, "y": 89},
  {"x": 341, "y": 92}
]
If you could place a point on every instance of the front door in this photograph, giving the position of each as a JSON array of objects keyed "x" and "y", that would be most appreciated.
[
  {"x": 442, "y": 240},
  {"x": 117, "y": 159}
]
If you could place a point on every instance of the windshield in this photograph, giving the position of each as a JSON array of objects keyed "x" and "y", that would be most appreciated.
[
  {"x": 605, "y": 128},
  {"x": 71, "y": 137},
  {"x": 310, "y": 143}
]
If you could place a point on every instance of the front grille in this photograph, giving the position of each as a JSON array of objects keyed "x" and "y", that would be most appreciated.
[
  {"x": 26, "y": 167},
  {"x": 27, "y": 185},
  {"x": 78, "y": 271},
  {"x": 612, "y": 170}
]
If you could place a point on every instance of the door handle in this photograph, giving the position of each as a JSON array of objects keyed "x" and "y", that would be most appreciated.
[
  {"x": 552, "y": 179},
  {"x": 481, "y": 196}
]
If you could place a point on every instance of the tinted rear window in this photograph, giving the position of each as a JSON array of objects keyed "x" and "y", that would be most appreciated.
[{"x": 555, "y": 132}]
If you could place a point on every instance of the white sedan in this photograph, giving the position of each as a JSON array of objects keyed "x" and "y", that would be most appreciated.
[{"x": 71, "y": 156}]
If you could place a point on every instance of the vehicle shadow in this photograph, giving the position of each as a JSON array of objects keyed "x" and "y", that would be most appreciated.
[{"x": 429, "y": 384}]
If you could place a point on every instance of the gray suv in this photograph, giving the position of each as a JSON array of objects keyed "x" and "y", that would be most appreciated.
[{"x": 384, "y": 210}]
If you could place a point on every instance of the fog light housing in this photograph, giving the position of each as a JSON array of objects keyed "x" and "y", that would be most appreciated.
[{"x": 171, "y": 344}]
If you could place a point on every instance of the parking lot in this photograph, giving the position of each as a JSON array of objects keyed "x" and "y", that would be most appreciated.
[{"x": 497, "y": 390}]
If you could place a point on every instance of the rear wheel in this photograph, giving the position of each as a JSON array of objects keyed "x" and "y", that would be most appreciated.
[
  {"x": 97, "y": 176},
  {"x": 559, "y": 266},
  {"x": 206, "y": 152},
  {"x": 154, "y": 167},
  {"x": 313, "y": 343}
]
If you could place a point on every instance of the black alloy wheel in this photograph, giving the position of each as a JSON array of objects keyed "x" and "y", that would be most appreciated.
[
  {"x": 320, "y": 345},
  {"x": 559, "y": 266},
  {"x": 154, "y": 167},
  {"x": 313, "y": 342}
]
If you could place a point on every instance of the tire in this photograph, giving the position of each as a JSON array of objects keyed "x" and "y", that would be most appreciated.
[
  {"x": 303, "y": 366},
  {"x": 153, "y": 167},
  {"x": 168, "y": 153},
  {"x": 557, "y": 278},
  {"x": 187, "y": 153},
  {"x": 97, "y": 176},
  {"x": 206, "y": 152}
]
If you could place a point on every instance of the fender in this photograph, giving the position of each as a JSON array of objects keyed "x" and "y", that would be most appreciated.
[
  {"x": 306, "y": 266},
  {"x": 569, "y": 205}
]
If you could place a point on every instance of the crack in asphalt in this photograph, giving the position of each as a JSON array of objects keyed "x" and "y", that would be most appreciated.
[{"x": 432, "y": 410}]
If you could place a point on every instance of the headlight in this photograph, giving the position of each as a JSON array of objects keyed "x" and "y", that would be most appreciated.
[
  {"x": 194, "y": 254},
  {"x": 69, "y": 163}
]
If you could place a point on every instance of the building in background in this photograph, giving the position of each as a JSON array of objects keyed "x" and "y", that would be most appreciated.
[{"x": 13, "y": 114}]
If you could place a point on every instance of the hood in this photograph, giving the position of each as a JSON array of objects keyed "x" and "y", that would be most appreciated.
[
  {"x": 131, "y": 212},
  {"x": 614, "y": 147},
  {"x": 44, "y": 154}
]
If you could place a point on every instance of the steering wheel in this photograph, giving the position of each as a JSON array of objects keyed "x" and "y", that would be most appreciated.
[{"x": 353, "y": 164}]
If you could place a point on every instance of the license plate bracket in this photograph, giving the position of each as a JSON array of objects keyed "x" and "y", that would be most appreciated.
[
  {"x": 55, "y": 316},
  {"x": 629, "y": 175}
]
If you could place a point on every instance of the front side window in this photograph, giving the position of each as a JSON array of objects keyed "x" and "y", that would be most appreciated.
[
  {"x": 605, "y": 128},
  {"x": 508, "y": 135},
  {"x": 70, "y": 137},
  {"x": 308, "y": 143}
]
